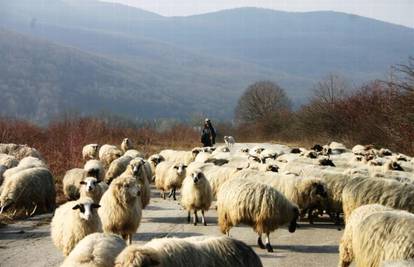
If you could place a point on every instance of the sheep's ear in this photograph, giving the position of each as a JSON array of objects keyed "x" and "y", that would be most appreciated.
[
  {"x": 76, "y": 207},
  {"x": 175, "y": 167},
  {"x": 82, "y": 182},
  {"x": 184, "y": 166},
  {"x": 95, "y": 206}
]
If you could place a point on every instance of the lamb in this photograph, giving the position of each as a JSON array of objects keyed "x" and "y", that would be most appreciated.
[
  {"x": 90, "y": 151},
  {"x": 109, "y": 153},
  {"x": 126, "y": 145},
  {"x": 139, "y": 169},
  {"x": 154, "y": 160},
  {"x": 169, "y": 176},
  {"x": 97, "y": 249},
  {"x": 258, "y": 205},
  {"x": 203, "y": 251},
  {"x": 229, "y": 140},
  {"x": 19, "y": 151},
  {"x": 121, "y": 208},
  {"x": 72, "y": 222},
  {"x": 133, "y": 153},
  {"x": 72, "y": 179},
  {"x": 383, "y": 236},
  {"x": 387, "y": 192},
  {"x": 346, "y": 253},
  {"x": 177, "y": 156},
  {"x": 116, "y": 168},
  {"x": 8, "y": 161},
  {"x": 90, "y": 187},
  {"x": 196, "y": 195},
  {"x": 31, "y": 190}
]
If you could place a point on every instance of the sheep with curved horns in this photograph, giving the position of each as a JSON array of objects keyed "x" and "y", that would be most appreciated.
[
  {"x": 169, "y": 176},
  {"x": 31, "y": 190},
  {"x": 90, "y": 151},
  {"x": 196, "y": 195},
  {"x": 97, "y": 250},
  {"x": 73, "y": 178},
  {"x": 256, "y": 204},
  {"x": 121, "y": 207},
  {"x": 203, "y": 251},
  {"x": 346, "y": 254},
  {"x": 108, "y": 153},
  {"x": 383, "y": 236},
  {"x": 387, "y": 192},
  {"x": 72, "y": 222},
  {"x": 90, "y": 187},
  {"x": 140, "y": 169}
]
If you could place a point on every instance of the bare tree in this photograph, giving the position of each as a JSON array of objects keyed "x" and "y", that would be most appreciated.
[
  {"x": 330, "y": 89},
  {"x": 261, "y": 101},
  {"x": 403, "y": 76}
]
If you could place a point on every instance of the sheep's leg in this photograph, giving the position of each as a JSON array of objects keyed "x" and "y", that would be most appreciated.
[
  {"x": 129, "y": 239},
  {"x": 195, "y": 219},
  {"x": 171, "y": 193},
  {"x": 310, "y": 216},
  {"x": 260, "y": 242},
  {"x": 163, "y": 194},
  {"x": 203, "y": 219},
  {"x": 268, "y": 246},
  {"x": 188, "y": 217},
  {"x": 174, "y": 194},
  {"x": 33, "y": 212}
]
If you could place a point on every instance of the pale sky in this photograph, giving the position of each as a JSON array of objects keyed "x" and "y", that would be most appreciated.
[{"x": 395, "y": 11}]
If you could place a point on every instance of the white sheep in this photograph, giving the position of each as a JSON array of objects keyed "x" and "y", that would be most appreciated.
[
  {"x": 121, "y": 207},
  {"x": 337, "y": 148},
  {"x": 8, "y": 161},
  {"x": 154, "y": 160},
  {"x": 126, "y": 145},
  {"x": 140, "y": 170},
  {"x": 346, "y": 253},
  {"x": 383, "y": 236},
  {"x": 179, "y": 156},
  {"x": 258, "y": 205},
  {"x": 169, "y": 176},
  {"x": 31, "y": 190},
  {"x": 229, "y": 140},
  {"x": 97, "y": 250},
  {"x": 203, "y": 251},
  {"x": 109, "y": 153},
  {"x": 196, "y": 195},
  {"x": 73, "y": 221},
  {"x": 387, "y": 192},
  {"x": 25, "y": 163},
  {"x": 90, "y": 187},
  {"x": 133, "y": 153},
  {"x": 116, "y": 168},
  {"x": 90, "y": 151},
  {"x": 19, "y": 151}
]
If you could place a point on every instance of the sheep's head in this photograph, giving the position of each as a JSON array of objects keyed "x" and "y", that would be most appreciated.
[
  {"x": 89, "y": 183},
  {"x": 196, "y": 176},
  {"x": 393, "y": 165},
  {"x": 259, "y": 150},
  {"x": 245, "y": 150},
  {"x": 317, "y": 148},
  {"x": 272, "y": 168},
  {"x": 5, "y": 203},
  {"x": 156, "y": 159},
  {"x": 326, "y": 162},
  {"x": 196, "y": 151},
  {"x": 86, "y": 208},
  {"x": 180, "y": 169},
  {"x": 138, "y": 256},
  {"x": 318, "y": 190},
  {"x": 125, "y": 188},
  {"x": 95, "y": 147},
  {"x": 295, "y": 150},
  {"x": 295, "y": 216},
  {"x": 136, "y": 165}
]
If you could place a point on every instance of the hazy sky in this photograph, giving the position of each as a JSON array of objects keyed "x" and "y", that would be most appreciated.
[{"x": 395, "y": 11}]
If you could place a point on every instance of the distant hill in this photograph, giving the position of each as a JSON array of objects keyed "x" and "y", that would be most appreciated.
[{"x": 175, "y": 67}]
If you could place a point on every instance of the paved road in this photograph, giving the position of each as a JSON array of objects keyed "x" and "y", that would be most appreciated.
[{"x": 28, "y": 243}]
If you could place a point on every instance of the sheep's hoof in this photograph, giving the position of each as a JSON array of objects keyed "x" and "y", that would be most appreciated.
[
  {"x": 269, "y": 247},
  {"x": 195, "y": 223},
  {"x": 260, "y": 243},
  {"x": 205, "y": 223}
]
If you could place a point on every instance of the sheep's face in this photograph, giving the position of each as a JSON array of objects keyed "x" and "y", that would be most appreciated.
[
  {"x": 89, "y": 183},
  {"x": 95, "y": 147},
  {"x": 196, "y": 176},
  {"x": 180, "y": 169},
  {"x": 293, "y": 224},
  {"x": 195, "y": 151},
  {"x": 5, "y": 202},
  {"x": 95, "y": 172},
  {"x": 272, "y": 168},
  {"x": 136, "y": 166},
  {"x": 245, "y": 150},
  {"x": 259, "y": 150},
  {"x": 86, "y": 210},
  {"x": 393, "y": 165}
]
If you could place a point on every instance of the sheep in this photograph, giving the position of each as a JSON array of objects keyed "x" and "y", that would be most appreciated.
[
  {"x": 203, "y": 251},
  {"x": 217, "y": 176},
  {"x": 8, "y": 161},
  {"x": 19, "y": 151},
  {"x": 2, "y": 170},
  {"x": 169, "y": 176},
  {"x": 116, "y": 168},
  {"x": 387, "y": 192},
  {"x": 109, "y": 153},
  {"x": 359, "y": 150},
  {"x": 25, "y": 163},
  {"x": 383, "y": 236},
  {"x": 73, "y": 221},
  {"x": 126, "y": 145},
  {"x": 90, "y": 187},
  {"x": 258, "y": 205},
  {"x": 154, "y": 160},
  {"x": 337, "y": 148},
  {"x": 121, "y": 208},
  {"x": 346, "y": 254},
  {"x": 139, "y": 169},
  {"x": 29, "y": 190},
  {"x": 196, "y": 195},
  {"x": 133, "y": 153},
  {"x": 97, "y": 249},
  {"x": 90, "y": 151},
  {"x": 72, "y": 179},
  {"x": 229, "y": 140},
  {"x": 177, "y": 156}
]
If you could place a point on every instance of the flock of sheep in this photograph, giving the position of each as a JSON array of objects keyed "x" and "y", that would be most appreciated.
[{"x": 262, "y": 186}]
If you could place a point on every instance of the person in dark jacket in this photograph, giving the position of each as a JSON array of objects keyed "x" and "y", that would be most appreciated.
[{"x": 208, "y": 134}]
